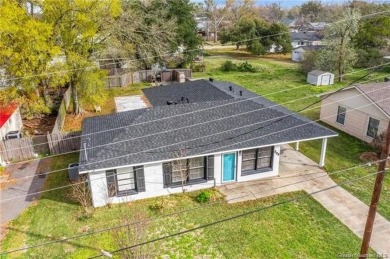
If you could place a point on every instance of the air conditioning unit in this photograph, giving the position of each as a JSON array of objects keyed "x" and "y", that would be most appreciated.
[{"x": 13, "y": 134}]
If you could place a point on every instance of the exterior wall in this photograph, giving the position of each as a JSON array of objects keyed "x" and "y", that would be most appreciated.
[
  {"x": 13, "y": 123},
  {"x": 154, "y": 180},
  {"x": 317, "y": 79},
  {"x": 356, "y": 117}
]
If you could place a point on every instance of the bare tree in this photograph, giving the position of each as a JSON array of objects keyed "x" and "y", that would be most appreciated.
[
  {"x": 275, "y": 12},
  {"x": 80, "y": 193},
  {"x": 180, "y": 168},
  {"x": 217, "y": 14}
]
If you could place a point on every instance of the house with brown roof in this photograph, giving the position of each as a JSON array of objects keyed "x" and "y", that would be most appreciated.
[{"x": 361, "y": 110}]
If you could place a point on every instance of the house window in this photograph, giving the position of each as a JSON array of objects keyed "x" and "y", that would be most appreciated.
[
  {"x": 372, "y": 129},
  {"x": 256, "y": 160},
  {"x": 188, "y": 171},
  {"x": 341, "y": 115},
  {"x": 126, "y": 182}
]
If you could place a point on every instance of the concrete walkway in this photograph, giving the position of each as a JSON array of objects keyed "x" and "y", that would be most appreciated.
[
  {"x": 297, "y": 172},
  {"x": 20, "y": 187}
]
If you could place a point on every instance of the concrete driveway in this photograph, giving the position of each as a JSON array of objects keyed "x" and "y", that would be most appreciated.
[
  {"x": 20, "y": 186},
  {"x": 297, "y": 172}
]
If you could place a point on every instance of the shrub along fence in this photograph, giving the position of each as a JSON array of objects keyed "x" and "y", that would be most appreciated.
[{"x": 30, "y": 147}]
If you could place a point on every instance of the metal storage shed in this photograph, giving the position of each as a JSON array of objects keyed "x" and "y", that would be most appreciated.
[{"x": 317, "y": 77}]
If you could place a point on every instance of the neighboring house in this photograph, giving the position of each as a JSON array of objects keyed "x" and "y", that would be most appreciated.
[
  {"x": 362, "y": 110},
  {"x": 298, "y": 53},
  {"x": 199, "y": 133},
  {"x": 317, "y": 26},
  {"x": 293, "y": 24},
  {"x": 318, "y": 77},
  {"x": 305, "y": 38},
  {"x": 10, "y": 119}
]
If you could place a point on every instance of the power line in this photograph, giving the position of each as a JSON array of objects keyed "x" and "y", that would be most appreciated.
[
  {"x": 272, "y": 121},
  {"x": 251, "y": 139},
  {"x": 194, "y": 208},
  {"x": 240, "y": 215},
  {"x": 193, "y": 112},
  {"x": 190, "y": 50}
]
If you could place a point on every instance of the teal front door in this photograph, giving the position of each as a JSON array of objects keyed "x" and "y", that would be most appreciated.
[{"x": 229, "y": 166}]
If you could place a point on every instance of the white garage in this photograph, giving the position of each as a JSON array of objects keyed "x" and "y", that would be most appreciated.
[{"x": 317, "y": 77}]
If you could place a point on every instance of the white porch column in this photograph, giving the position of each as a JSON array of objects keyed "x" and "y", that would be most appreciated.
[
  {"x": 297, "y": 146},
  {"x": 323, "y": 152}
]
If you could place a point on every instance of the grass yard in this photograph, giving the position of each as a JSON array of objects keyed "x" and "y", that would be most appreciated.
[
  {"x": 302, "y": 229},
  {"x": 281, "y": 81},
  {"x": 73, "y": 122}
]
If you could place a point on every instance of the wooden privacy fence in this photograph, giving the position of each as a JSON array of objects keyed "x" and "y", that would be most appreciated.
[
  {"x": 64, "y": 142},
  {"x": 29, "y": 147},
  {"x": 16, "y": 149}
]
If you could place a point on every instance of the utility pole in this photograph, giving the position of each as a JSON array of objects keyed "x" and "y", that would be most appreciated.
[{"x": 375, "y": 196}]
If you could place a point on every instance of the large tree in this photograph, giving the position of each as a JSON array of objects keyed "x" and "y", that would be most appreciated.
[
  {"x": 258, "y": 36},
  {"x": 81, "y": 29},
  {"x": 339, "y": 53},
  {"x": 26, "y": 47},
  {"x": 217, "y": 14}
]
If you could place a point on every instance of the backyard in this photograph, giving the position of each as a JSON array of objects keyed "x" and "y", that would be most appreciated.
[{"x": 296, "y": 229}]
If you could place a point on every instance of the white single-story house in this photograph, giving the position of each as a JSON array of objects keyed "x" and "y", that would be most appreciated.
[
  {"x": 317, "y": 77},
  {"x": 361, "y": 110},
  {"x": 198, "y": 134},
  {"x": 298, "y": 54}
]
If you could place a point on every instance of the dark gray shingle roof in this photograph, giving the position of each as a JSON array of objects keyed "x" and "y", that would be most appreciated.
[
  {"x": 156, "y": 134},
  {"x": 196, "y": 91}
]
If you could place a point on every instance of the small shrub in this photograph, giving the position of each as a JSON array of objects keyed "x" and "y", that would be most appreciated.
[
  {"x": 198, "y": 67},
  {"x": 228, "y": 66},
  {"x": 157, "y": 206},
  {"x": 246, "y": 67},
  {"x": 203, "y": 197},
  {"x": 377, "y": 143},
  {"x": 1, "y": 170}
]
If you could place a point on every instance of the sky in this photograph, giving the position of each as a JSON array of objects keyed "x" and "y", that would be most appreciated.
[{"x": 290, "y": 3}]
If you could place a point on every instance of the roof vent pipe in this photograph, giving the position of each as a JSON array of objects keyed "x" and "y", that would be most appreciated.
[
  {"x": 230, "y": 88},
  {"x": 240, "y": 92},
  {"x": 211, "y": 79}
]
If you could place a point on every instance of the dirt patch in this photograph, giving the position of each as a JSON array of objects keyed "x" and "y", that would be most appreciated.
[
  {"x": 368, "y": 157},
  {"x": 39, "y": 126}
]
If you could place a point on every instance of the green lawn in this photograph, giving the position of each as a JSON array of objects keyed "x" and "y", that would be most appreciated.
[
  {"x": 278, "y": 74},
  {"x": 298, "y": 229}
]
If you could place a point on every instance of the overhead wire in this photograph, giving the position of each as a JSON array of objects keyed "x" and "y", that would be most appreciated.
[
  {"x": 273, "y": 120},
  {"x": 204, "y": 152},
  {"x": 324, "y": 174}
]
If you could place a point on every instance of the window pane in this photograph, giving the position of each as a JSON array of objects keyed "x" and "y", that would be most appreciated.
[
  {"x": 248, "y": 165},
  {"x": 179, "y": 165},
  {"x": 197, "y": 173},
  {"x": 341, "y": 115},
  {"x": 179, "y": 177},
  {"x": 125, "y": 181},
  {"x": 210, "y": 162},
  {"x": 373, "y": 125},
  {"x": 265, "y": 151},
  {"x": 196, "y": 162},
  {"x": 248, "y": 154},
  {"x": 264, "y": 162}
]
